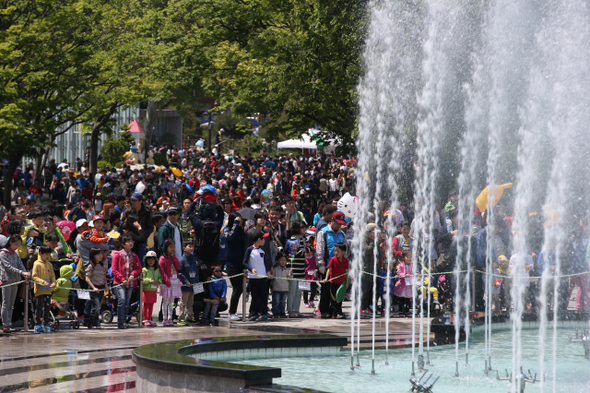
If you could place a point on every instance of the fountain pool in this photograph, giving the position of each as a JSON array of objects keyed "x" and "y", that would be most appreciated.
[{"x": 332, "y": 373}]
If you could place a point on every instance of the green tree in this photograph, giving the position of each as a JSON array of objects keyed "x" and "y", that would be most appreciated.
[{"x": 114, "y": 147}]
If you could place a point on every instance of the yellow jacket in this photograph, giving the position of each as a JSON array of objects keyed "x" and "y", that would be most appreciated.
[{"x": 43, "y": 273}]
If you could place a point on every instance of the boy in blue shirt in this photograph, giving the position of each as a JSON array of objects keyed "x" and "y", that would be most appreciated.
[
  {"x": 217, "y": 293},
  {"x": 189, "y": 270}
]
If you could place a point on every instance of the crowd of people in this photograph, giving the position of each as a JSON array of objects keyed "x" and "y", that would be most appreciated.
[
  {"x": 187, "y": 233},
  {"x": 178, "y": 232}
]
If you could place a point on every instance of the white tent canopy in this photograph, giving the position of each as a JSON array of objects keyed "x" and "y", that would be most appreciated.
[{"x": 304, "y": 142}]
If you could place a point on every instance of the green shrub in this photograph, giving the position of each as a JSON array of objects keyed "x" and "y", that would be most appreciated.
[
  {"x": 102, "y": 164},
  {"x": 160, "y": 159}
]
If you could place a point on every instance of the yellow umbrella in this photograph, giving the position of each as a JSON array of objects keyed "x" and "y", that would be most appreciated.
[
  {"x": 176, "y": 171},
  {"x": 496, "y": 193}
]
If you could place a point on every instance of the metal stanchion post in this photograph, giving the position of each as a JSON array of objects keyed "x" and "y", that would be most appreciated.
[
  {"x": 473, "y": 291},
  {"x": 244, "y": 295},
  {"x": 140, "y": 312},
  {"x": 26, "y": 319}
]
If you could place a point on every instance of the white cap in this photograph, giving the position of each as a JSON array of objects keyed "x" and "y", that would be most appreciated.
[
  {"x": 80, "y": 222},
  {"x": 3, "y": 240}
]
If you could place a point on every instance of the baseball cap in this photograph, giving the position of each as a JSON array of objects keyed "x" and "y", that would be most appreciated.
[
  {"x": 81, "y": 222},
  {"x": 339, "y": 217},
  {"x": 173, "y": 209},
  {"x": 259, "y": 235},
  {"x": 151, "y": 254},
  {"x": 98, "y": 217},
  {"x": 136, "y": 197}
]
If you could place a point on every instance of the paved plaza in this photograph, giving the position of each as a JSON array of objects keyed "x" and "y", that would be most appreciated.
[{"x": 100, "y": 360}]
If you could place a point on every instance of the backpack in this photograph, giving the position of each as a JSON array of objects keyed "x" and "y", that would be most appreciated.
[
  {"x": 208, "y": 243},
  {"x": 73, "y": 213}
]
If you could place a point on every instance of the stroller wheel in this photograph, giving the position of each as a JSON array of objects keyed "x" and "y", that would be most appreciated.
[
  {"x": 76, "y": 325},
  {"x": 107, "y": 316},
  {"x": 71, "y": 324},
  {"x": 54, "y": 324}
]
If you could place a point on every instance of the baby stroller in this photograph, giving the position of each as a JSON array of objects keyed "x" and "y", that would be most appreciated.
[
  {"x": 61, "y": 300},
  {"x": 108, "y": 310}
]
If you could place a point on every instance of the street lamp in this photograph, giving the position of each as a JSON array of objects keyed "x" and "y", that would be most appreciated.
[{"x": 212, "y": 116}]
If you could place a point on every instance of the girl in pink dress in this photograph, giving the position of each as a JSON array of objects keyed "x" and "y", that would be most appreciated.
[
  {"x": 170, "y": 288},
  {"x": 403, "y": 287}
]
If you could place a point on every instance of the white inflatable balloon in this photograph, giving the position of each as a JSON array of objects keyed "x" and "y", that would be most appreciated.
[
  {"x": 348, "y": 205},
  {"x": 140, "y": 187}
]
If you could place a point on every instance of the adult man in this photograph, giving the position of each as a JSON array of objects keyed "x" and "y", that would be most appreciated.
[
  {"x": 292, "y": 213},
  {"x": 207, "y": 228},
  {"x": 326, "y": 217},
  {"x": 278, "y": 231},
  {"x": 171, "y": 230},
  {"x": 326, "y": 240},
  {"x": 184, "y": 222},
  {"x": 145, "y": 220}
]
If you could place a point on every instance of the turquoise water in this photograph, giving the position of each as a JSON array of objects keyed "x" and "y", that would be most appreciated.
[{"x": 333, "y": 374}]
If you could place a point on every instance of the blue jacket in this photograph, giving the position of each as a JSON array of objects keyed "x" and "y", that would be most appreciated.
[
  {"x": 189, "y": 270},
  {"x": 218, "y": 288}
]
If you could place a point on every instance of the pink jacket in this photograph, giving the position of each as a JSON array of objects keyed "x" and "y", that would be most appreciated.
[
  {"x": 118, "y": 267},
  {"x": 401, "y": 289},
  {"x": 166, "y": 267}
]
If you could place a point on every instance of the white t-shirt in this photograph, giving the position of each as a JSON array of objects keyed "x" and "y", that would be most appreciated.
[{"x": 257, "y": 263}]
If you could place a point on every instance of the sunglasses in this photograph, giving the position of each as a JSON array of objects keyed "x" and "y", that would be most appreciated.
[
  {"x": 217, "y": 271},
  {"x": 172, "y": 213}
]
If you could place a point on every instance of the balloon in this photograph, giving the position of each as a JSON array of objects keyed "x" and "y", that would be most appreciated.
[
  {"x": 176, "y": 171},
  {"x": 496, "y": 193},
  {"x": 66, "y": 228},
  {"x": 266, "y": 195},
  {"x": 348, "y": 205},
  {"x": 140, "y": 187}
]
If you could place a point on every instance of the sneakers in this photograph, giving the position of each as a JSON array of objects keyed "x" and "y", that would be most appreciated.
[
  {"x": 8, "y": 329},
  {"x": 253, "y": 318},
  {"x": 311, "y": 304},
  {"x": 341, "y": 316},
  {"x": 234, "y": 317},
  {"x": 306, "y": 305},
  {"x": 261, "y": 318},
  {"x": 191, "y": 321},
  {"x": 317, "y": 312},
  {"x": 435, "y": 301},
  {"x": 182, "y": 322},
  {"x": 366, "y": 314},
  {"x": 168, "y": 322},
  {"x": 152, "y": 324},
  {"x": 38, "y": 329}
]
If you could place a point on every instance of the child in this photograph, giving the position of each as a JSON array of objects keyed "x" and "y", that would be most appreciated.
[
  {"x": 259, "y": 274},
  {"x": 125, "y": 270},
  {"x": 63, "y": 286},
  {"x": 96, "y": 277},
  {"x": 169, "y": 267},
  {"x": 33, "y": 235},
  {"x": 217, "y": 292},
  {"x": 501, "y": 288},
  {"x": 11, "y": 271},
  {"x": 96, "y": 235},
  {"x": 337, "y": 273},
  {"x": 151, "y": 280},
  {"x": 403, "y": 287},
  {"x": 280, "y": 287},
  {"x": 189, "y": 272},
  {"x": 311, "y": 274},
  {"x": 44, "y": 283},
  {"x": 382, "y": 291}
]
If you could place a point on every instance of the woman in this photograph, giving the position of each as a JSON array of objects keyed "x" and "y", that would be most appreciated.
[
  {"x": 234, "y": 233},
  {"x": 133, "y": 229},
  {"x": 11, "y": 270}
]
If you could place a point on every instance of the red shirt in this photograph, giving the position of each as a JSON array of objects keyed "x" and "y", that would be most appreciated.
[{"x": 338, "y": 269}]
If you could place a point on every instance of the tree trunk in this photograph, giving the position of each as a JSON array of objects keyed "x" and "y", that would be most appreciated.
[
  {"x": 148, "y": 125},
  {"x": 99, "y": 123},
  {"x": 13, "y": 163},
  {"x": 41, "y": 160}
]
